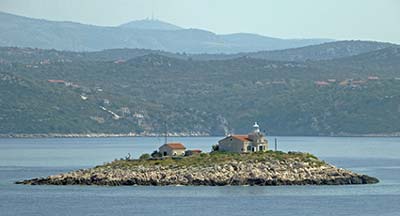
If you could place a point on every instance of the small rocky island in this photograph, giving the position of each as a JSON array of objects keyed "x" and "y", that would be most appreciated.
[
  {"x": 213, "y": 169},
  {"x": 235, "y": 160}
]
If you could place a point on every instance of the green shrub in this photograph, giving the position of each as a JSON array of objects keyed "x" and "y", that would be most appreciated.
[
  {"x": 144, "y": 157},
  {"x": 215, "y": 148},
  {"x": 203, "y": 154},
  {"x": 156, "y": 154}
]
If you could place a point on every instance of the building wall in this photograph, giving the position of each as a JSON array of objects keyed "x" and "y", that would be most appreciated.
[
  {"x": 171, "y": 152},
  {"x": 259, "y": 140},
  {"x": 190, "y": 152},
  {"x": 178, "y": 152},
  {"x": 230, "y": 144}
]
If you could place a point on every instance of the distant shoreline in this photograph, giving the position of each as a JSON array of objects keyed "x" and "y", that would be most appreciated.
[
  {"x": 100, "y": 135},
  {"x": 110, "y": 135}
]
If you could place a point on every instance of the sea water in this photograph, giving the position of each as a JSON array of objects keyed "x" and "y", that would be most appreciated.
[{"x": 29, "y": 158}]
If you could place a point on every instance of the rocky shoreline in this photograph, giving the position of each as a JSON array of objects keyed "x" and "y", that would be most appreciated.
[
  {"x": 193, "y": 134},
  {"x": 206, "y": 170},
  {"x": 101, "y": 135}
]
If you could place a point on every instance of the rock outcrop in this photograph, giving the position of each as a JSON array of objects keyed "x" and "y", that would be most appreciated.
[{"x": 263, "y": 170}]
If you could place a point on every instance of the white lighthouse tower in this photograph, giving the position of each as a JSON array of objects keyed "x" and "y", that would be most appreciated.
[{"x": 256, "y": 128}]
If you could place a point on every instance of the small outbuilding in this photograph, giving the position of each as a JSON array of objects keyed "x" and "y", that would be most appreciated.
[
  {"x": 192, "y": 152},
  {"x": 172, "y": 149}
]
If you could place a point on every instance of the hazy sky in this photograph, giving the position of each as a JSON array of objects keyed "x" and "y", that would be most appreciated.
[{"x": 337, "y": 19}]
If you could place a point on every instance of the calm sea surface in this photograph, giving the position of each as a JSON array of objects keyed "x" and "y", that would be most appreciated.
[{"x": 28, "y": 158}]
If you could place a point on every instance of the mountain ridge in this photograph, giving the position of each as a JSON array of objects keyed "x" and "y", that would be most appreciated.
[
  {"x": 150, "y": 24},
  {"x": 308, "y": 53},
  {"x": 353, "y": 95},
  {"x": 64, "y": 35}
]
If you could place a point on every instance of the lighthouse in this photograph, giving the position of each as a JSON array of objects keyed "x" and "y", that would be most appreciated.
[
  {"x": 255, "y": 141},
  {"x": 256, "y": 128}
]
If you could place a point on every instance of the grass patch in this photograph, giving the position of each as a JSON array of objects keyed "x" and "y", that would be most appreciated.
[{"x": 215, "y": 158}]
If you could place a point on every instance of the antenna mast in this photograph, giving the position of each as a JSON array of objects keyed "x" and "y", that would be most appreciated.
[
  {"x": 166, "y": 133},
  {"x": 152, "y": 10}
]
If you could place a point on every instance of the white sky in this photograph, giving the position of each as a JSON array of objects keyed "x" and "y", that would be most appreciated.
[{"x": 337, "y": 19}]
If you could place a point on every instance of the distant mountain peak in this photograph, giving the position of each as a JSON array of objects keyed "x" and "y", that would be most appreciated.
[
  {"x": 148, "y": 33},
  {"x": 151, "y": 24}
]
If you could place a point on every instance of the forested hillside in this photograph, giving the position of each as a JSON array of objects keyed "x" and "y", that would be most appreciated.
[
  {"x": 325, "y": 51},
  {"x": 63, "y": 92}
]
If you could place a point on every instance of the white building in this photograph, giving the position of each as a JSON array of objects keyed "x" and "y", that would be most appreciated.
[
  {"x": 253, "y": 142},
  {"x": 172, "y": 149}
]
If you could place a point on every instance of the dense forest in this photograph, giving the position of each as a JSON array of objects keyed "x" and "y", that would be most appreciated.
[{"x": 140, "y": 91}]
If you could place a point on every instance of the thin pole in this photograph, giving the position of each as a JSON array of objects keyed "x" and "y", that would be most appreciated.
[
  {"x": 276, "y": 144},
  {"x": 166, "y": 133},
  {"x": 152, "y": 10}
]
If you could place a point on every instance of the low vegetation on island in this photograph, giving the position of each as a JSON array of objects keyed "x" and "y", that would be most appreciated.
[{"x": 212, "y": 169}]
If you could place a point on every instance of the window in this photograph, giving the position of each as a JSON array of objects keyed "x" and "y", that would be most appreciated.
[
  {"x": 261, "y": 147},
  {"x": 248, "y": 148}
]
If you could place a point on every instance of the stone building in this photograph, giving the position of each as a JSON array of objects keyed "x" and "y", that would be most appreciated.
[
  {"x": 172, "y": 149},
  {"x": 253, "y": 142}
]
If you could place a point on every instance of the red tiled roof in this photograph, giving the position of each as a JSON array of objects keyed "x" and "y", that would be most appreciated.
[
  {"x": 242, "y": 138},
  {"x": 321, "y": 83},
  {"x": 176, "y": 145},
  {"x": 196, "y": 150},
  {"x": 56, "y": 81}
]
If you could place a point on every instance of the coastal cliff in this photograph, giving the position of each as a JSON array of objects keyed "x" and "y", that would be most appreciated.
[{"x": 214, "y": 169}]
